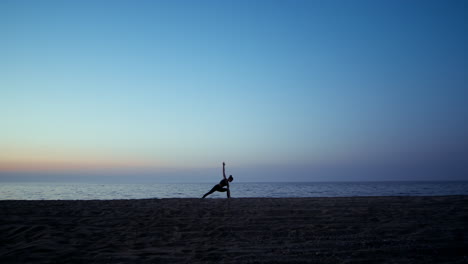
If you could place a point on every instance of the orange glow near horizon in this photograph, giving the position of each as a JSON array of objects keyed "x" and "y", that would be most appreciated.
[
  {"x": 69, "y": 165},
  {"x": 53, "y": 161},
  {"x": 37, "y": 159}
]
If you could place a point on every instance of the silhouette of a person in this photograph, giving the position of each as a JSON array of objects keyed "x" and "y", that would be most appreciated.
[{"x": 223, "y": 183}]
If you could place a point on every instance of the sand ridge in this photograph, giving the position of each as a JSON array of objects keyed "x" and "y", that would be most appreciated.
[{"x": 243, "y": 230}]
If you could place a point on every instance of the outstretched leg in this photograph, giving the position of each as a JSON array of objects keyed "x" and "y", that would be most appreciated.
[{"x": 210, "y": 192}]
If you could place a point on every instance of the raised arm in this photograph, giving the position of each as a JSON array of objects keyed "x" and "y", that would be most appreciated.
[{"x": 224, "y": 170}]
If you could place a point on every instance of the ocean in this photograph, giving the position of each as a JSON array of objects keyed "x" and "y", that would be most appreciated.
[{"x": 94, "y": 191}]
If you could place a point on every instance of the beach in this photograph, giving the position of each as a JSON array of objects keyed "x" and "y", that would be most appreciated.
[{"x": 394, "y": 229}]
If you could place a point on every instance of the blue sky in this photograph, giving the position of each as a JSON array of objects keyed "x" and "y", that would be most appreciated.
[{"x": 280, "y": 90}]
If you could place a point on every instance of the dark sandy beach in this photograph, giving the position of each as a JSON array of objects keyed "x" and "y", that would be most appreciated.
[{"x": 246, "y": 230}]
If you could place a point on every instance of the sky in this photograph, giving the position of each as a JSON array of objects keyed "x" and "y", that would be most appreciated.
[{"x": 279, "y": 90}]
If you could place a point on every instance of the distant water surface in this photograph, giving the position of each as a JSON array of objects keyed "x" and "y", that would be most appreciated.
[{"x": 90, "y": 191}]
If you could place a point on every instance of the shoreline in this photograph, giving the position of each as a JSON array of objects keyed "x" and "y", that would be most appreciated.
[
  {"x": 372, "y": 229},
  {"x": 240, "y": 198}
]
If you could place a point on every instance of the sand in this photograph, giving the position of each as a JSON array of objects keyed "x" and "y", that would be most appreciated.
[{"x": 243, "y": 230}]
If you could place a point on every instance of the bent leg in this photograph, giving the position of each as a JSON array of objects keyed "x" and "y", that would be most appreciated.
[{"x": 228, "y": 192}]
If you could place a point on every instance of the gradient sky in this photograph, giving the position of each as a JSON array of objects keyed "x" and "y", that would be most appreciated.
[{"x": 280, "y": 90}]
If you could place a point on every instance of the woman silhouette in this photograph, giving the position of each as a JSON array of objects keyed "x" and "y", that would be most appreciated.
[{"x": 223, "y": 183}]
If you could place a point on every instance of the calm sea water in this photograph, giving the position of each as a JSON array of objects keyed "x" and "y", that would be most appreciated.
[{"x": 84, "y": 191}]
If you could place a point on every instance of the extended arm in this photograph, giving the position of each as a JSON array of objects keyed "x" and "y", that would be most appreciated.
[{"x": 224, "y": 171}]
